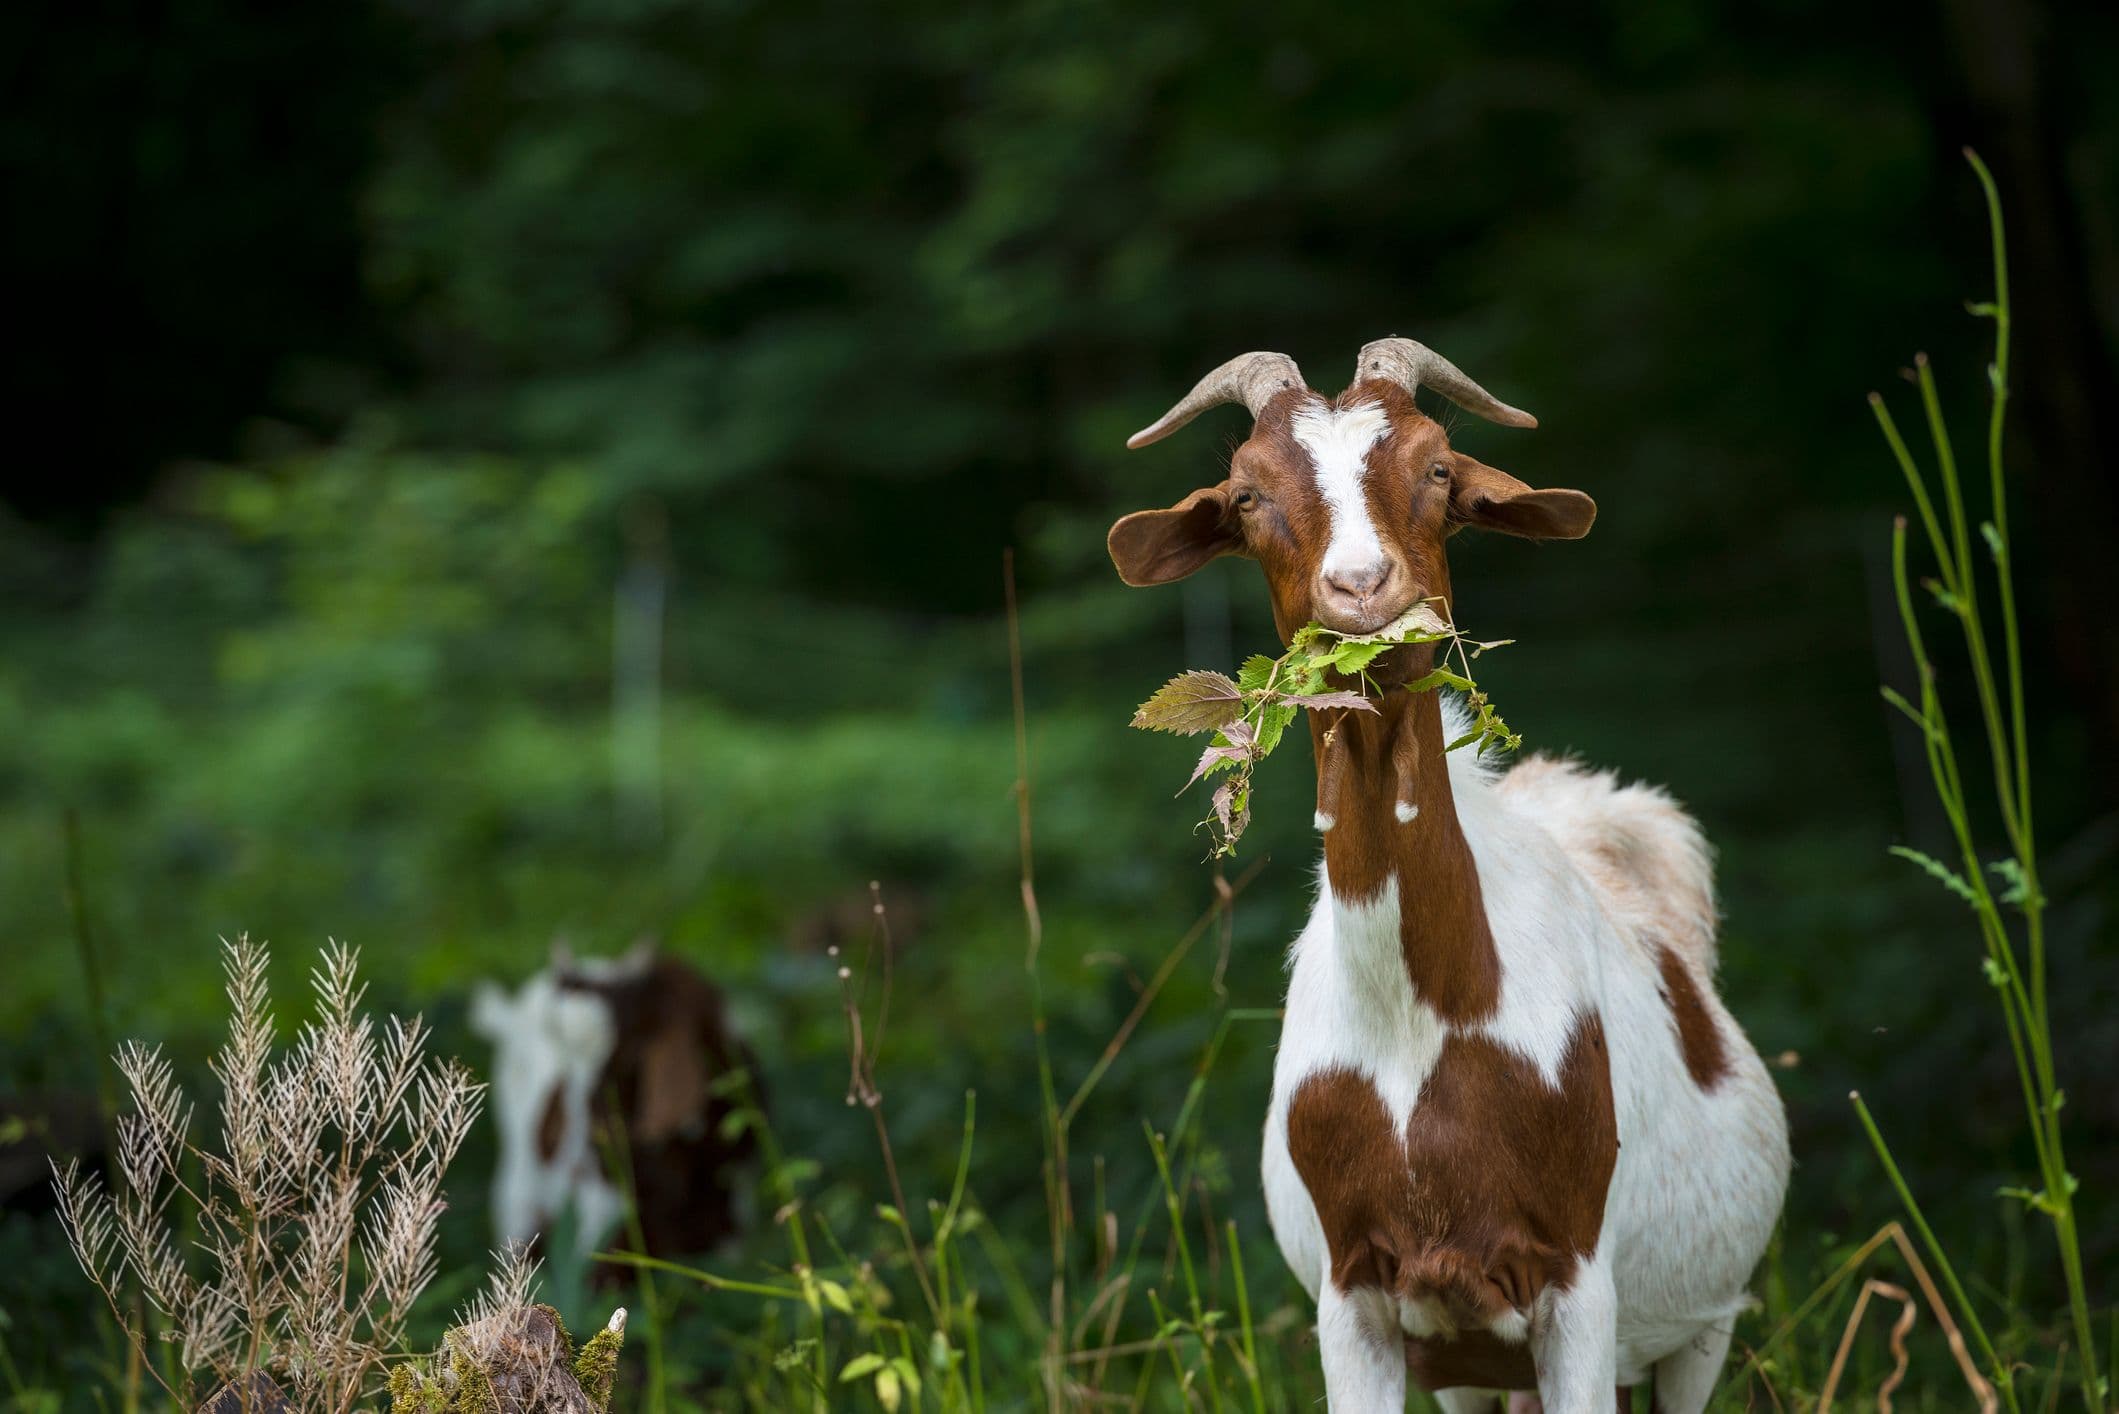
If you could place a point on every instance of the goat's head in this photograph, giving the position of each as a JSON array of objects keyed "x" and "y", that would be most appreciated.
[{"x": 1346, "y": 503}]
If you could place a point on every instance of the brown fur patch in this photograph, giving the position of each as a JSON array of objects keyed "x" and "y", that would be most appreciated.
[
  {"x": 1495, "y": 1192},
  {"x": 1706, "y": 1058},
  {"x": 672, "y": 1041},
  {"x": 552, "y": 1125},
  {"x": 1473, "y": 1360},
  {"x": 1443, "y": 931}
]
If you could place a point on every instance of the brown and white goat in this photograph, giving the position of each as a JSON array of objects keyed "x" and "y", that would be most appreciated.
[
  {"x": 1515, "y": 1140},
  {"x": 639, "y": 1039}
]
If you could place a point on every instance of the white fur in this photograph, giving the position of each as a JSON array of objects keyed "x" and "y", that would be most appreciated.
[
  {"x": 1364, "y": 1363},
  {"x": 1575, "y": 908},
  {"x": 547, "y": 1040},
  {"x": 1338, "y": 441}
]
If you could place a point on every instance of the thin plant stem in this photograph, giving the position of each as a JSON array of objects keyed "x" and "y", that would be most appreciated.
[
  {"x": 2004, "y": 1379},
  {"x": 2021, "y": 986},
  {"x": 711, "y": 1280},
  {"x": 92, "y": 979},
  {"x": 1059, "y": 1218},
  {"x": 1223, "y": 899},
  {"x": 1243, "y": 1317},
  {"x": 797, "y": 1235},
  {"x": 618, "y": 1151}
]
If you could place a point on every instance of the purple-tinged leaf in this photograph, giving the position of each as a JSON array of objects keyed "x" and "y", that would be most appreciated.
[
  {"x": 1326, "y": 701},
  {"x": 1234, "y": 743},
  {"x": 1210, "y": 758},
  {"x": 1191, "y": 703}
]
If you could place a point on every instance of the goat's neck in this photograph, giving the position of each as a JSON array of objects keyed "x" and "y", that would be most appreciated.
[{"x": 1389, "y": 816}]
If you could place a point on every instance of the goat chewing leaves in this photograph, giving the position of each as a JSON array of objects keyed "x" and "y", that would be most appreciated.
[{"x": 1249, "y": 715}]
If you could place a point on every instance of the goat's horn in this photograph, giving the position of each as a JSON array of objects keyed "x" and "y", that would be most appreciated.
[
  {"x": 1411, "y": 364},
  {"x": 1253, "y": 379}
]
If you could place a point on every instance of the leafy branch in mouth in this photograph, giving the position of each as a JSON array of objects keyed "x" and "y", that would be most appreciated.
[{"x": 1250, "y": 713}]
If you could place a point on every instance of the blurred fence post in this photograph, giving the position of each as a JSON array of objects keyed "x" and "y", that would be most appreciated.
[{"x": 636, "y": 674}]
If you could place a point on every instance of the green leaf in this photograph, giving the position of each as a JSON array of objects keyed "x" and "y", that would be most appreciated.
[
  {"x": 2040, "y": 1199},
  {"x": 1256, "y": 672},
  {"x": 1995, "y": 547},
  {"x": 1251, "y": 714},
  {"x": 1190, "y": 703},
  {"x": 1300, "y": 673},
  {"x": 835, "y": 1296},
  {"x": 1273, "y": 721},
  {"x": 1351, "y": 658},
  {"x": 1937, "y": 870},
  {"x": 859, "y": 1366},
  {"x": 2016, "y": 889},
  {"x": 1440, "y": 677},
  {"x": 908, "y": 1373}
]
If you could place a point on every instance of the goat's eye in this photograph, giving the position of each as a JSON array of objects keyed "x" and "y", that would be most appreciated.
[
  {"x": 1438, "y": 472},
  {"x": 1246, "y": 500}
]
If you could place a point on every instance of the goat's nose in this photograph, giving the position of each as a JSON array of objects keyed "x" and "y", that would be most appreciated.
[{"x": 1361, "y": 582}]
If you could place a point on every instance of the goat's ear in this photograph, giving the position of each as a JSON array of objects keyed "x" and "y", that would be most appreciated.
[
  {"x": 1493, "y": 500},
  {"x": 1156, "y": 547}
]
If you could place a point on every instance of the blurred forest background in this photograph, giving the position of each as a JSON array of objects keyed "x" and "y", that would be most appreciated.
[{"x": 488, "y": 473}]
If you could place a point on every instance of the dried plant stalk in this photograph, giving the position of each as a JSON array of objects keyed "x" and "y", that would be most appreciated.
[{"x": 310, "y": 1226}]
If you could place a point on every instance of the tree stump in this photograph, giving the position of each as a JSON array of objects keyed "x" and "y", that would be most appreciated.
[{"x": 517, "y": 1361}]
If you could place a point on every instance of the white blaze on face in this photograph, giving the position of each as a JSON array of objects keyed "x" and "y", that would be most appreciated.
[{"x": 1338, "y": 441}]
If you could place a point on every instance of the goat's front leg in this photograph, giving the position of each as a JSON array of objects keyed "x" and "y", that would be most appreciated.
[
  {"x": 1576, "y": 1344},
  {"x": 1363, "y": 1351}
]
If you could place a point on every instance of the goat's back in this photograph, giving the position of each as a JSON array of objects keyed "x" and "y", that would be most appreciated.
[{"x": 1645, "y": 856}]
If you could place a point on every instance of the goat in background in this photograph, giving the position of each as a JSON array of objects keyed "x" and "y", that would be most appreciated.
[{"x": 640, "y": 1039}]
